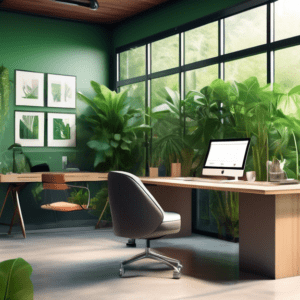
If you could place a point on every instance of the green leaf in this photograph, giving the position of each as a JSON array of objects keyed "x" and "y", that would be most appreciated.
[
  {"x": 96, "y": 87},
  {"x": 114, "y": 144},
  {"x": 126, "y": 140},
  {"x": 295, "y": 90},
  {"x": 99, "y": 159},
  {"x": 98, "y": 145},
  {"x": 117, "y": 137},
  {"x": 15, "y": 283},
  {"x": 124, "y": 146},
  {"x": 109, "y": 152}
]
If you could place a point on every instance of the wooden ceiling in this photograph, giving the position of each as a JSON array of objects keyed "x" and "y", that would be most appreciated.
[{"x": 109, "y": 11}]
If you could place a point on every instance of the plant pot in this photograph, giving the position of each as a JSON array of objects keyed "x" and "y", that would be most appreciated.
[
  {"x": 175, "y": 169},
  {"x": 153, "y": 172}
]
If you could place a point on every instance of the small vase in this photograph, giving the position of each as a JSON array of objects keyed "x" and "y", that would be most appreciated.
[
  {"x": 175, "y": 169},
  {"x": 153, "y": 172}
]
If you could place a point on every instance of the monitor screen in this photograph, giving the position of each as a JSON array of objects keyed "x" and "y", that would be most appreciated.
[{"x": 224, "y": 157}]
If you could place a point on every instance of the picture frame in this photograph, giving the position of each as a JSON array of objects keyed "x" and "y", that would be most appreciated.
[
  {"x": 61, "y": 130},
  {"x": 29, "y": 128},
  {"x": 29, "y": 88},
  {"x": 61, "y": 91}
]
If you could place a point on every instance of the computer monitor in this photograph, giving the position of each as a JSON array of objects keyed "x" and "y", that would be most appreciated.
[{"x": 226, "y": 157}]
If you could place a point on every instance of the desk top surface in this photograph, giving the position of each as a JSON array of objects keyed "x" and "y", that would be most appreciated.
[
  {"x": 257, "y": 187},
  {"x": 37, "y": 177},
  {"x": 265, "y": 188}
]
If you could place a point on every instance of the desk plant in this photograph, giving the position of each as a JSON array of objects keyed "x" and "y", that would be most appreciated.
[
  {"x": 116, "y": 126},
  {"x": 15, "y": 283}
]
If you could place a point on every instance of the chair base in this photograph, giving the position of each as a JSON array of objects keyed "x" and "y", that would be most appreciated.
[{"x": 173, "y": 263}]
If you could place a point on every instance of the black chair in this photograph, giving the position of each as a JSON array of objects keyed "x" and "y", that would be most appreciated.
[{"x": 137, "y": 215}]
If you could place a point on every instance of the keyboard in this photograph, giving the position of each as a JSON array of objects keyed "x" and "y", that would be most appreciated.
[{"x": 287, "y": 181}]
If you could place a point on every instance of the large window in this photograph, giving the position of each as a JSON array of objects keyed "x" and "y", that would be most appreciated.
[{"x": 258, "y": 38}]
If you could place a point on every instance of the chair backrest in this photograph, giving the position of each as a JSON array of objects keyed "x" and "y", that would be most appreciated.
[{"x": 135, "y": 212}]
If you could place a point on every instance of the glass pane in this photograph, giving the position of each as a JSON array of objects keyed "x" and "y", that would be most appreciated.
[
  {"x": 158, "y": 85},
  {"x": 133, "y": 63},
  {"x": 246, "y": 30},
  {"x": 165, "y": 54},
  {"x": 287, "y": 21},
  {"x": 241, "y": 69},
  {"x": 201, "y": 43},
  {"x": 136, "y": 94},
  {"x": 287, "y": 65},
  {"x": 197, "y": 79}
]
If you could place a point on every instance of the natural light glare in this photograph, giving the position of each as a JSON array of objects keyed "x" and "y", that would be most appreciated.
[
  {"x": 165, "y": 53},
  {"x": 241, "y": 69},
  {"x": 287, "y": 19},
  {"x": 195, "y": 80},
  {"x": 201, "y": 43},
  {"x": 132, "y": 63},
  {"x": 245, "y": 30},
  {"x": 287, "y": 66}
]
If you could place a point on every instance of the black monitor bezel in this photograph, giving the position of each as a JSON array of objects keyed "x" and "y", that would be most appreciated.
[{"x": 227, "y": 140}]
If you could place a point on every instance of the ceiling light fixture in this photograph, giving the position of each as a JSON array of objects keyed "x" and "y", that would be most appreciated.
[{"x": 92, "y": 5}]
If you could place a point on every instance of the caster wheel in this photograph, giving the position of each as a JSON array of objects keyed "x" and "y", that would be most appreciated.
[
  {"x": 176, "y": 275},
  {"x": 121, "y": 272}
]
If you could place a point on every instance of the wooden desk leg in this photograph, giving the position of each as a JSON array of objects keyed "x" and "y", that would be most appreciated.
[
  {"x": 270, "y": 234},
  {"x": 175, "y": 199},
  {"x": 7, "y": 194},
  {"x": 15, "y": 196}
]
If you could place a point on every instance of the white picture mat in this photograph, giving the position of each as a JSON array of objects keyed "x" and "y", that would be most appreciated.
[
  {"x": 23, "y": 77},
  {"x": 62, "y": 143},
  {"x": 62, "y": 80},
  {"x": 30, "y": 142}
]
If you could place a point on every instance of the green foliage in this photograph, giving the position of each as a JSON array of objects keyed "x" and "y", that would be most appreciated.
[
  {"x": 225, "y": 209},
  {"x": 4, "y": 96},
  {"x": 30, "y": 92},
  {"x": 231, "y": 109},
  {"x": 98, "y": 203},
  {"x": 15, "y": 283},
  {"x": 79, "y": 196},
  {"x": 116, "y": 128},
  {"x": 169, "y": 141}
]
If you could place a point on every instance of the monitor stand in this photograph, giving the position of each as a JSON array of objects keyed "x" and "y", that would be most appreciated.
[{"x": 231, "y": 180}]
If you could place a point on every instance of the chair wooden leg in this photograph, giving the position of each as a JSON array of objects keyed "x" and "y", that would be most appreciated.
[{"x": 98, "y": 223}]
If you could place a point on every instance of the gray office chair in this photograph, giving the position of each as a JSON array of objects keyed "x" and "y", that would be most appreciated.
[{"x": 137, "y": 215}]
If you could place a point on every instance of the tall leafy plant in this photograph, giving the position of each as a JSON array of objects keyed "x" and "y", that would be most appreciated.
[
  {"x": 118, "y": 130},
  {"x": 115, "y": 126}
]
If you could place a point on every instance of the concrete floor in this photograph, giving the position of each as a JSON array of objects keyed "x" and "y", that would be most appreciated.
[{"x": 84, "y": 263}]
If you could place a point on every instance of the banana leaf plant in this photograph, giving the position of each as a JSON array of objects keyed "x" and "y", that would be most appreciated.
[{"x": 115, "y": 126}]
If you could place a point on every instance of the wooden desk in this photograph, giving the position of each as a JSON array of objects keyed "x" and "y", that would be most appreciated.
[
  {"x": 269, "y": 239},
  {"x": 18, "y": 181}
]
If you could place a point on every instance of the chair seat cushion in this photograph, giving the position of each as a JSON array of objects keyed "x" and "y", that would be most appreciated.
[{"x": 171, "y": 224}]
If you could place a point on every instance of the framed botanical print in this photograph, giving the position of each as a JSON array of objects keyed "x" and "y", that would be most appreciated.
[
  {"x": 61, "y": 91},
  {"x": 61, "y": 130},
  {"x": 29, "y": 88},
  {"x": 29, "y": 128}
]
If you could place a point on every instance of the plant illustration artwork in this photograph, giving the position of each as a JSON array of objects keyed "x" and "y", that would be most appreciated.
[
  {"x": 29, "y": 127},
  {"x": 29, "y": 88},
  {"x": 61, "y": 91},
  {"x": 61, "y": 129}
]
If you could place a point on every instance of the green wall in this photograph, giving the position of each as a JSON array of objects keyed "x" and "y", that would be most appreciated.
[
  {"x": 61, "y": 47},
  {"x": 167, "y": 16},
  {"x": 53, "y": 46}
]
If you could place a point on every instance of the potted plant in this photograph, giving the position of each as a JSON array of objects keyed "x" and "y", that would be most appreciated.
[{"x": 117, "y": 131}]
